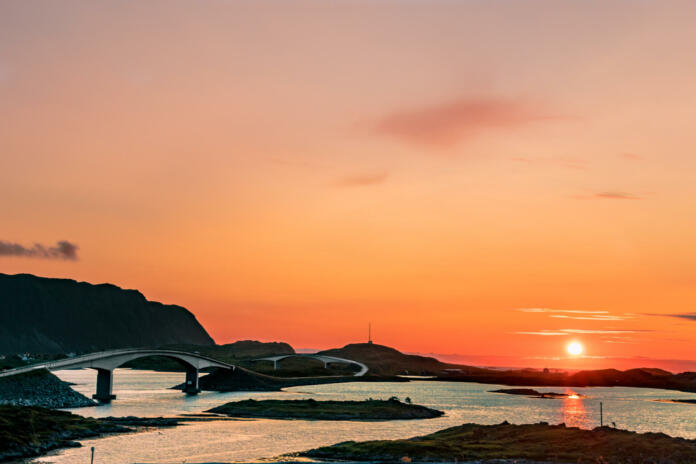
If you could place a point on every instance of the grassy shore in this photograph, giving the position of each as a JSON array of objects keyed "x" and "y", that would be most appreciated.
[
  {"x": 27, "y": 431},
  {"x": 532, "y": 442},
  {"x": 391, "y": 409}
]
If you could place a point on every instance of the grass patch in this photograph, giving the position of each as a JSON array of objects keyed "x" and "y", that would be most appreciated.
[
  {"x": 391, "y": 409},
  {"x": 30, "y": 431},
  {"x": 535, "y": 442}
]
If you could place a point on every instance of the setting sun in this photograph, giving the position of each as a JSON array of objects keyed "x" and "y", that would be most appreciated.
[{"x": 575, "y": 348}]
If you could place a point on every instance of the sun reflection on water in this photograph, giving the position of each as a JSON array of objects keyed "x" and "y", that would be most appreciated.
[{"x": 574, "y": 413}]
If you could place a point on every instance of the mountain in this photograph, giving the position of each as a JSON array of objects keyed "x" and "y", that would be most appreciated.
[
  {"x": 43, "y": 315},
  {"x": 383, "y": 360}
]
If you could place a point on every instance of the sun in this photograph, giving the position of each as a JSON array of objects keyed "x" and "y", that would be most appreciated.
[{"x": 575, "y": 348}]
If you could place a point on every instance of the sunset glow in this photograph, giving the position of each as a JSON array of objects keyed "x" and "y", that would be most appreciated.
[
  {"x": 476, "y": 180},
  {"x": 575, "y": 348}
]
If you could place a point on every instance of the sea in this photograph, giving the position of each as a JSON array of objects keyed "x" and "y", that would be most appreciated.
[{"x": 148, "y": 394}]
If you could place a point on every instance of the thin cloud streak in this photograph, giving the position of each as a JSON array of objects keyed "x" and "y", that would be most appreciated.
[
  {"x": 590, "y": 318},
  {"x": 547, "y": 310},
  {"x": 563, "y": 332},
  {"x": 687, "y": 316},
  {"x": 448, "y": 123},
  {"x": 62, "y": 250},
  {"x": 612, "y": 195},
  {"x": 364, "y": 179},
  {"x": 577, "y": 314}
]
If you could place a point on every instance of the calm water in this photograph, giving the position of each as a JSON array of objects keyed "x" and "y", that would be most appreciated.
[{"x": 146, "y": 393}]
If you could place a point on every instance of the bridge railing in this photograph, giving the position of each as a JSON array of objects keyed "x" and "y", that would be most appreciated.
[{"x": 67, "y": 362}]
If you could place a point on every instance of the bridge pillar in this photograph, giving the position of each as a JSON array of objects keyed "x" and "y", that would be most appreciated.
[
  {"x": 191, "y": 385},
  {"x": 105, "y": 382},
  {"x": 275, "y": 364}
]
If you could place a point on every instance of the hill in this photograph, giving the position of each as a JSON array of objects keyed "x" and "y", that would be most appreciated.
[
  {"x": 641, "y": 378},
  {"x": 231, "y": 353},
  {"x": 517, "y": 443},
  {"x": 43, "y": 315},
  {"x": 383, "y": 360}
]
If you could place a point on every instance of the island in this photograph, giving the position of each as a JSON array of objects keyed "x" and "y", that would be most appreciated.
[
  {"x": 530, "y": 442},
  {"x": 678, "y": 401},
  {"x": 535, "y": 394},
  {"x": 367, "y": 410}
]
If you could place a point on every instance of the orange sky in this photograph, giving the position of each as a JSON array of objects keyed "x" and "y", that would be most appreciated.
[{"x": 292, "y": 170}]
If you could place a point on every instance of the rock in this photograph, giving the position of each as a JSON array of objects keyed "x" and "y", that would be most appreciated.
[{"x": 40, "y": 388}]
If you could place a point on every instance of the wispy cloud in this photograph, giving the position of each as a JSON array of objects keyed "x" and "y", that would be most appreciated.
[
  {"x": 578, "y": 314},
  {"x": 610, "y": 331},
  {"x": 631, "y": 156},
  {"x": 614, "y": 195},
  {"x": 62, "y": 250},
  {"x": 564, "y": 332},
  {"x": 451, "y": 122},
  {"x": 363, "y": 179},
  {"x": 547, "y": 310},
  {"x": 687, "y": 316},
  {"x": 598, "y": 317},
  {"x": 543, "y": 333}
]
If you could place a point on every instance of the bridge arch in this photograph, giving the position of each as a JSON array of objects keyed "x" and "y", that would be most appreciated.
[
  {"x": 325, "y": 359},
  {"x": 106, "y": 361}
]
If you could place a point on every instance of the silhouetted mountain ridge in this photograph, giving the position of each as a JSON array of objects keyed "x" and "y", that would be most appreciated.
[
  {"x": 45, "y": 315},
  {"x": 384, "y": 360}
]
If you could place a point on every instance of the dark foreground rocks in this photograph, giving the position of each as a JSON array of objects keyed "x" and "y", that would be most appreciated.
[
  {"x": 29, "y": 431},
  {"x": 391, "y": 409},
  {"x": 531, "y": 442},
  {"x": 40, "y": 388},
  {"x": 32, "y": 431}
]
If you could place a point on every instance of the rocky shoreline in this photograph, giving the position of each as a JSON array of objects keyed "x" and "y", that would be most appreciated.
[
  {"x": 30, "y": 431},
  {"x": 40, "y": 388}
]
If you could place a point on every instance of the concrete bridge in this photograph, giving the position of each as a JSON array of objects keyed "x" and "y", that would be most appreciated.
[
  {"x": 325, "y": 359},
  {"x": 106, "y": 361}
]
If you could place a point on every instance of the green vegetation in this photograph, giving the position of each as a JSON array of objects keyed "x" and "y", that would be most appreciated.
[
  {"x": 31, "y": 431},
  {"x": 535, "y": 442},
  {"x": 391, "y": 409}
]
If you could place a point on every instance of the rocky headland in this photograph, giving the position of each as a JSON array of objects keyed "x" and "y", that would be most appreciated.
[{"x": 40, "y": 388}]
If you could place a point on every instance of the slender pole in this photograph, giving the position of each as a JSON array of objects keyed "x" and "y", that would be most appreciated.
[
  {"x": 92, "y": 460},
  {"x": 601, "y": 415}
]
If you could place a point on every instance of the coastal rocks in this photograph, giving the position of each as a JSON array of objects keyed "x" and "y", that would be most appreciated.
[
  {"x": 31, "y": 431},
  {"x": 40, "y": 388}
]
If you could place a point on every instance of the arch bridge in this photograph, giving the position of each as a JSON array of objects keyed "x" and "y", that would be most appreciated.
[
  {"x": 325, "y": 359},
  {"x": 105, "y": 362}
]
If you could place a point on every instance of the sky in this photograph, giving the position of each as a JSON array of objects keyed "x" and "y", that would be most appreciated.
[{"x": 486, "y": 179}]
